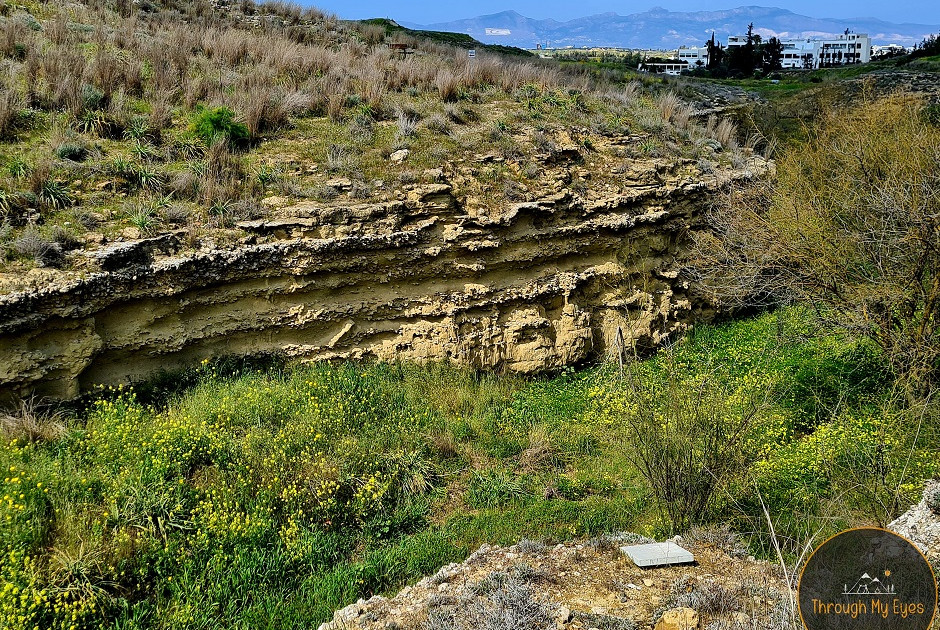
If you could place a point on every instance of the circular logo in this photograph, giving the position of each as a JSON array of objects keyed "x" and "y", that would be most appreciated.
[{"x": 867, "y": 579}]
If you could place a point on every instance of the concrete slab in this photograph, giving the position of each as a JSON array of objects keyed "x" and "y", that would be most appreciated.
[{"x": 657, "y": 554}]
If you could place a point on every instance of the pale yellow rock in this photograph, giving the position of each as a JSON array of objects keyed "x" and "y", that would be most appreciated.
[
  {"x": 275, "y": 201},
  {"x": 526, "y": 288},
  {"x": 678, "y": 619}
]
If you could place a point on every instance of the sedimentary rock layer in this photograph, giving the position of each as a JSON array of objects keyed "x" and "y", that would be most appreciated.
[{"x": 536, "y": 286}]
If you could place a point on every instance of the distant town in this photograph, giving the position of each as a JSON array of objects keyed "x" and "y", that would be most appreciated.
[{"x": 775, "y": 54}]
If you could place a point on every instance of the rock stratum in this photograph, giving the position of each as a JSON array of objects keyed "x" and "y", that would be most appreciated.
[{"x": 426, "y": 276}]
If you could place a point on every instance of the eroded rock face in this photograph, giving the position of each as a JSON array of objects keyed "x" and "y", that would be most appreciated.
[{"x": 537, "y": 286}]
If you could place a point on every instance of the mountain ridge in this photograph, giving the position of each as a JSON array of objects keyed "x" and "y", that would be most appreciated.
[{"x": 661, "y": 28}]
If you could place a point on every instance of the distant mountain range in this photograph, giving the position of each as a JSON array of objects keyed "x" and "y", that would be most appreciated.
[{"x": 660, "y": 28}]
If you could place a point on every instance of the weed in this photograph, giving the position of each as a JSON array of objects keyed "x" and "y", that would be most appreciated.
[
  {"x": 494, "y": 487},
  {"x": 143, "y": 218},
  {"x": 339, "y": 158},
  {"x": 439, "y": 124},
  {"x": 18, "y": 167},
  {"x": 176, "y": 214},
  {"x": 31, "y": 422},
  {"x": 54, "y": 194},
  {"x": 407, "y": 125},
  {"x": 211, "y": 124}
]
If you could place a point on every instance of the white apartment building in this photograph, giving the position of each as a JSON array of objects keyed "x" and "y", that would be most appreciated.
[
  {"x": 695, "y": 56},
  {"x": 674, "y": 68},
  {"x": 812, "y": 53}
]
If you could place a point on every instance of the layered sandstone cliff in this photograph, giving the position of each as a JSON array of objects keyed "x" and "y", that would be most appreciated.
[{"x": 531, "y": 287}]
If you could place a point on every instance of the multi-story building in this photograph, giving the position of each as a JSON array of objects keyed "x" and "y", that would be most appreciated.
[
  {"x": 695, "y": 56},
  {"x": 845, "y": 49}
]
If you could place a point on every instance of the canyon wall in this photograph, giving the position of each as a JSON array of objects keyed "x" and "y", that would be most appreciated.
[{"x": 531, "y": 287}]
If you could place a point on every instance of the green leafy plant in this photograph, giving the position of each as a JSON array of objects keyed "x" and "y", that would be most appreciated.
[
  {"x": 495, "y": 487},
  {"x": 212, "y": 124},
  {"x": 143, "y": 218},
  {"x": 18, "y": 167},
  {"x": 137, "y": 129},
  {"x": 54, "y": 194}
]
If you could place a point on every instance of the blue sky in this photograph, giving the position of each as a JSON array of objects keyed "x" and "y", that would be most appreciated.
[{"x": 427, "y": 12}]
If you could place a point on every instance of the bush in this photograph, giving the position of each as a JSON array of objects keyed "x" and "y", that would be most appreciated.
[
  {"x": 71, "y": 151},
  {"x": 32, "y": 245},
  {"x": 219, "y": 122},
  {"x": 688, "y": 433},
  {"x": 849, "y": 225},
  {"x": 822, "y": 386}
]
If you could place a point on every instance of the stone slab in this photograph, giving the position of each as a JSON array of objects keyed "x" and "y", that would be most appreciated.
[{"x": 657, "y": 554}]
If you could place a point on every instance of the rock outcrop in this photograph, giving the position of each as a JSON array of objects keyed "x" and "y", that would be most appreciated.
[
  {"x": 921, "y": 523},
  {"x": 536, "y": 286},
  {"x": 582, "y": 585}
]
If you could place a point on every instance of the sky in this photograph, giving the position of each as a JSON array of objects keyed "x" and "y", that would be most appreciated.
[{"x": 429, "y": 12}]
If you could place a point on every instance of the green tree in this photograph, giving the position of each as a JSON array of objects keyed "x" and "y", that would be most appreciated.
[
  {"x": 850, "y": 226},
  {"x": 772, "y": 53}
]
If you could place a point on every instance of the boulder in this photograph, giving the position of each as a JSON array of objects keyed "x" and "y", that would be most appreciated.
[{"x": 678, "y": 619}]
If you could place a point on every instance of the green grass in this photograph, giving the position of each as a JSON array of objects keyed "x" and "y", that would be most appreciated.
[{"x": 240, "y": 496}]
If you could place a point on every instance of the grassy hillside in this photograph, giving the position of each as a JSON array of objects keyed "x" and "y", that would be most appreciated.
[
  {"x": 234, "y": 498},
  {"x": 122, "y": 120}
]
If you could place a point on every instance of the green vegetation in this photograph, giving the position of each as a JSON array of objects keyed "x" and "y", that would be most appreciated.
[
  {"x": 212, "y": 124},
  {"x": 233, "y": 498},
  {"x": 850, "y": 224},
  {"x": 459, "y": 40}
]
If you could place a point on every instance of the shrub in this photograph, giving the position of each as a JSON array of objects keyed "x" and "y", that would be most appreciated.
[
  {"x": 339, "y": 157},
  {"x": 71, "y": 151},
  {"x": 687, "y": 433},
  {"x": 176, "y": 214},
  {"x": 65, "y": 238},
  {"x": 439, "y": 123},
  {"x": 407, "y": 125},
  {"x": 849, "y": 225},
  {"x": 219, "y": 122},
  {"x": 11, "y": 103},
  {"x": 92, "y": 97},
  {"x": 32, "y": 245}
]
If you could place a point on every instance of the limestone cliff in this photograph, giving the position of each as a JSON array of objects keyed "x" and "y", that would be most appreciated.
[{"x": 534, "y": 286}]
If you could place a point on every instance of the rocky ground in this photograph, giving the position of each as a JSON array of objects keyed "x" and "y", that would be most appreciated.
[
  {"x": 582, "y": 585},
  {"x": 921, "y": 523},
  {"x": 592, "y": 584}
]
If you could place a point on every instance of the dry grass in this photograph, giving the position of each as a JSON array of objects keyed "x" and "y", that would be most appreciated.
[
  {"x": 30, "y": 422},
  {"x": 134, "y": 82}
]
